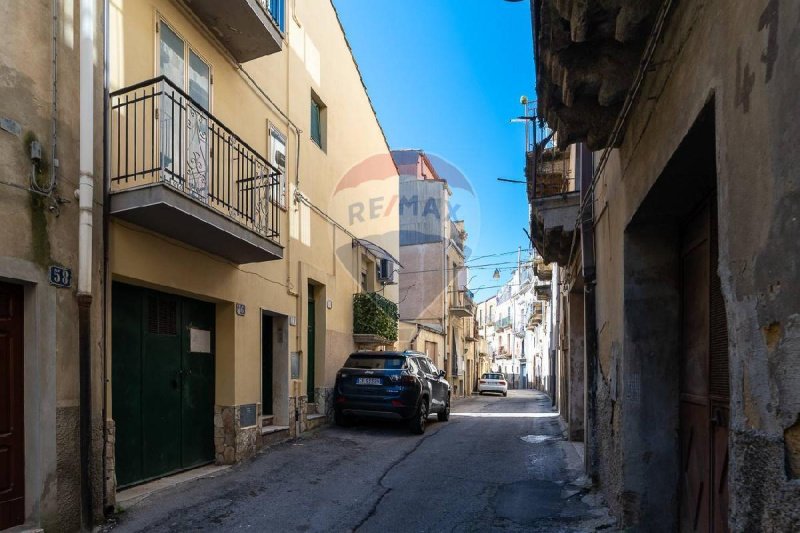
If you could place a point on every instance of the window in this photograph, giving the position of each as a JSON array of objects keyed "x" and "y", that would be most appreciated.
[
  {"x": 375, "y": 362},
  {"x": 196, "y": 75},
  {"x": 277, "y": 12},
  {"x": 367, "y": 278},
  {"x": 277, "y": 156},
  {"x": 318, "y": 116},
  {"x": 183, "y": 126}
]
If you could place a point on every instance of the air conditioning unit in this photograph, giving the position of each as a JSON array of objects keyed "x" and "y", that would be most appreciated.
[{"x": 386, "y": 272}]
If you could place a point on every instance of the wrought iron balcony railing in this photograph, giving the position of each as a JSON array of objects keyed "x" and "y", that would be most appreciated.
[
  {"x": 159, "y": 135},
  {"x": 503, "y": 323},
  {"x": 461, "y": 303}
]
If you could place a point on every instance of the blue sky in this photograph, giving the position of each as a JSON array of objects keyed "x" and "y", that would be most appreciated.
[{"x": 446, "y": 76}]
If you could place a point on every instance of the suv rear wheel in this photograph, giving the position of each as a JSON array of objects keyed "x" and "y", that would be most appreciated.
[
  {"x": 444, "y": 415},
  {"x": 420, "y": 418}
]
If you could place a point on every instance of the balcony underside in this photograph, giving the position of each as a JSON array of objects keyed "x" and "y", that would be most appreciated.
[
  {"x": 162, "y": 209},
  {"x": 242, "y": 25},
  {"x": 553, "y": 222},
  {"x": 588, "y": 53},
  {"x": 460, "y": 311}
]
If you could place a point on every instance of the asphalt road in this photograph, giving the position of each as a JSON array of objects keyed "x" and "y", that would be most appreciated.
[{"x": 499, "y": 464}]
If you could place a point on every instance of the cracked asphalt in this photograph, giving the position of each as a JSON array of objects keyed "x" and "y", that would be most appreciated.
[{"x": 499, "y": 464}]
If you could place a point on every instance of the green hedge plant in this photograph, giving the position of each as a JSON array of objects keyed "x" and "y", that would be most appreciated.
[{"x": 375, "y": 315}]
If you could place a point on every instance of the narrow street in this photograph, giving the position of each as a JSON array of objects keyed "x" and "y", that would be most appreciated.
[{"x": 499, "y": 464}]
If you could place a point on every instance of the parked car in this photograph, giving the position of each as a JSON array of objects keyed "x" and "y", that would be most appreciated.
[
  {"x": 493, "y": 382},
  {"x": 394, "y": 385}
]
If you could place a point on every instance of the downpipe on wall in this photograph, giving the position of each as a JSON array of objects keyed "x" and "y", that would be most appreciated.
[{"x": 85, "y": 199}]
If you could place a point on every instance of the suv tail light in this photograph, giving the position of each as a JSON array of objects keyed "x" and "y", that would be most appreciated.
[
  {"x": 502, "y": 383},
  {"x": 407, "y": 379},
  {"x": 482, "y": 381}
]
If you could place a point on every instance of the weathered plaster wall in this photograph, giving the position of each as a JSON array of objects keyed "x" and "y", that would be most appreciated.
[
  {"x": 743, "y": 58},
  {"x": 38, "y": 231},
  {"x": 575, "y": 422}
]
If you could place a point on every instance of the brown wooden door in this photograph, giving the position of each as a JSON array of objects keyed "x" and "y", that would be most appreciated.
[
  {"x": 704, "y": 366},
  {"x": 12, "y": 438}
]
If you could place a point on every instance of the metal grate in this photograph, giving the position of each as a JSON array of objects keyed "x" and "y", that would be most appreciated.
[
  {"x": 162, "y": 316},
  {"x": 719, "y": 386}
]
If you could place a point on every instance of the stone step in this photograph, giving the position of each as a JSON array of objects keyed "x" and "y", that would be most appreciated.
[
  {"x": 311, "y": 408},
  {"x": 274, "y": 434},
  {"x": 315, "y": 420},
  {"x": 267, "y": 420}
]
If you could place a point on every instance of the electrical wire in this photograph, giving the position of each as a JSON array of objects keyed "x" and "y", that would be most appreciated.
[
  {"x": 525, "y": 250},
  {"x": 499, "y": 266}
]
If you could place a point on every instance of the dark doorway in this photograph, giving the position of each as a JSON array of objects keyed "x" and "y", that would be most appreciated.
[
  {"x": 672, "y": 296},
  {"x": 704, "y": 390},
  {"x": 163, "y": 383},
  {"x": 312, "y": 334},
  {"x": 266, "y": 365},
  {"x": 12, "y": 436}
]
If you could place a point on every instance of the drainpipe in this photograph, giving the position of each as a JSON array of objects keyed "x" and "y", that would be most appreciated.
[
  {"x": 590, "y": 315},
  {"x": 106, "y": 268},
  {"x": 85, "y": 198}
]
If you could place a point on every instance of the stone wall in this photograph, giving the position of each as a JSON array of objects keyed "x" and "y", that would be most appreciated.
[{"x": 232, "y": 442}]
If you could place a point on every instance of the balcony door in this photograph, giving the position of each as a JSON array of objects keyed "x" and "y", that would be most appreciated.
[{"x": 184, "y": 123}]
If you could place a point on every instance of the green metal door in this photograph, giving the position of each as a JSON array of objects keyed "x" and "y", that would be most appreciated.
[
  {"x": 126, "y": 379},
  {"x": 197, "y": 435},
  {"x": 163, "y": 382},
  {"x": 311, "y": 338}
]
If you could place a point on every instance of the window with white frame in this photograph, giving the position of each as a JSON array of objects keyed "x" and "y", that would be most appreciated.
[{"x": 277, "y": 156}]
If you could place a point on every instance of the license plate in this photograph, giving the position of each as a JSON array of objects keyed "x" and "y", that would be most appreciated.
[{"x": 369, "y": 381}]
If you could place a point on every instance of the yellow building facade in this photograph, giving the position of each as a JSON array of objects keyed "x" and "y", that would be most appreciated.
[{"x": 251, "y": 196}]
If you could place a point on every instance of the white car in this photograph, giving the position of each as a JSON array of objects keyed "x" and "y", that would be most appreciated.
[{"x": 493, "y": 382}]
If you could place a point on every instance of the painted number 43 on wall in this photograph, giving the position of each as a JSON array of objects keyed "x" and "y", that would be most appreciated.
[{"x": 60, "y": 276}]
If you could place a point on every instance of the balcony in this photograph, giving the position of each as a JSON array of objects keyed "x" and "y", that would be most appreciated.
[
  {"x": 542, "y": 270},
  {"x": 543, "y": 292},
  {"x": 584, "y": 98},
  {"x": 537, "y": 315},
  {"x": 554, "y": 201},
  {"x": 249, "y": 29},
  {"x": 177, "y": 170},
  {"x": 458, "y": 235},
  {"x": 461, "y": 304},
  {"x": 374, "y": 320},
  {"x": 502, "y": 323}
]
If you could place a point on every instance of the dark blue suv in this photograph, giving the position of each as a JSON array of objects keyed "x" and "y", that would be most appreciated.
[{"x": 395, "y": 385}]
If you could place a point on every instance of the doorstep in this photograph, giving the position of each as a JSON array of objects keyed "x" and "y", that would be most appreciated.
[
  {"x": 24, "y": 528},
  {"x": 127, "y": 498},
  {"x": 314, "y": 421}
]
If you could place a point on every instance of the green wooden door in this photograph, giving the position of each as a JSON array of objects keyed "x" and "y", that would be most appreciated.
[
  {"x": 311, "y": 339},
  {"x": 163, "y": 383}
]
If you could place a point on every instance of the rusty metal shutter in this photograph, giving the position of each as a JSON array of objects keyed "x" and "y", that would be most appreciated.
[{"x": 719, "y": 387}]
